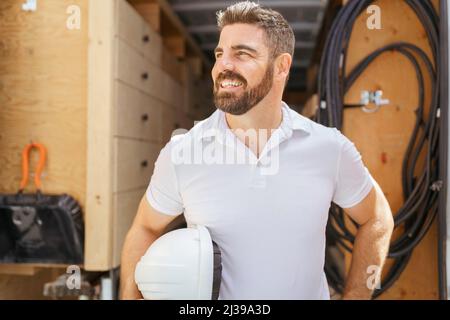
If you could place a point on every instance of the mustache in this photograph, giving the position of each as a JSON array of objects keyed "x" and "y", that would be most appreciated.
[{"x": 229, "y": 75}]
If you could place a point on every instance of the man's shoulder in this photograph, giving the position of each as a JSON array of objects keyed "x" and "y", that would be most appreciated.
[{"x": 316, "y": 129}]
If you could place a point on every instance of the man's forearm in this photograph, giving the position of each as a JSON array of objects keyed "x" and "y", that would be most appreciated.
[
  {"x": 136, "y": 243},
  {"x": 369, "y": 254}
]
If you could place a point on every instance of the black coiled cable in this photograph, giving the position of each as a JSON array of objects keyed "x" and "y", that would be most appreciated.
[{"x": 420, "y": 185}]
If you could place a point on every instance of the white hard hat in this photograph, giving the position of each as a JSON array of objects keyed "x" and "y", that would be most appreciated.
[{"x": 183, "y": 264}]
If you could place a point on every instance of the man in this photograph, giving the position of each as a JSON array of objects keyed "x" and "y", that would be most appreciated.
[{"x": 267, "y": 214}]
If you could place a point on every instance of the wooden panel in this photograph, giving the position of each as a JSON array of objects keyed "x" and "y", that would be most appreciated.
[
  {"x": 131, "y": 68},
  {"x": 172, "y": 90},
  {"x": 18, "y": 269},
  {"x": 27, "y": 286},
  {"x": 134, "y": 163},
  {"x": 197, "y": 96},
  {"x": 203, "y": 104},
  {"x": 153, "y": 48},
  {"x": 43, "y": 90},
  {"x": 129, "y": 26},
  {"x": 29, "y": 269},
  {"x": 176, "y": 45},
  {"x": 125, "y": 208},
  {"x": 134, "y": 70},
  {"x": 309, "y": 109},
  {"x": 171, "y": 22},
  {"x": 99, "y": 236},
  {"x": 138, "y": 115},
  {"x": 150, "y": 12},
  {"x": 171, "y": 65},
  {"x": 382, "y": 136},
  {"x": 196, "y": 66},
  {"x": 295, "y": 99},
  {"x": 168, "y": 123},
  {"x": 189, "y": 79},
  {"x": 133, "y": 30}
]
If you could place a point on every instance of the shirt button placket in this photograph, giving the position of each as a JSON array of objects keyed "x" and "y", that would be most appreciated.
[{"x": 258, "y": 180}]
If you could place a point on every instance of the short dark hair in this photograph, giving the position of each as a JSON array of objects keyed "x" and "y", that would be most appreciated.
[{"x": 280, "y": 36}]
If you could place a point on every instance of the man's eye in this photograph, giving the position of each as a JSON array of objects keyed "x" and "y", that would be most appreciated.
[
  {"x": 218, "y": 55},
  {"x": 242, "y": 53}
]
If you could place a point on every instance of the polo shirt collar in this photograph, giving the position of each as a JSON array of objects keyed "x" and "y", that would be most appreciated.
[{"x": 217, "y": 125}]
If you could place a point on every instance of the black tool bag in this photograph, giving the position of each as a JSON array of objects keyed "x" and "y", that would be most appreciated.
[{"x": 40, "y": 228}]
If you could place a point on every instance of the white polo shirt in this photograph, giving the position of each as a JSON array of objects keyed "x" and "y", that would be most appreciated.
[{"x": 267, "y": 215}]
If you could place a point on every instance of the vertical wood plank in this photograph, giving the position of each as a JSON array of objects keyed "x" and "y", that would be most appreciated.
[{"x": 99, "y": 204}]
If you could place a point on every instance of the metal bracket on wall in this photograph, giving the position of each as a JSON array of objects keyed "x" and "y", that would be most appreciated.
[
  {"x": 372, "y": 97},
  {"x": 368, "y": 97},
  {"x": 30, "y": 5}
]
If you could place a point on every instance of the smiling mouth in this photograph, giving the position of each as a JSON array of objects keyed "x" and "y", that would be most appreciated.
[{"x": 230, "y": 84}]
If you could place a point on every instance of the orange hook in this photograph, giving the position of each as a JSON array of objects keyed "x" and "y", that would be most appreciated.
[{"x": 40, "y": 167}]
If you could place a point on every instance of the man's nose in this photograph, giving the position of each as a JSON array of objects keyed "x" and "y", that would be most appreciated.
[{"x": 225, "y": 64}]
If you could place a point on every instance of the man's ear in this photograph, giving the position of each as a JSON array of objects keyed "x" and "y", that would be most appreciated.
[{"x": 282, "y": 65}]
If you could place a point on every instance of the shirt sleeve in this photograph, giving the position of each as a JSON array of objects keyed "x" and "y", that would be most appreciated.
[
  {"x": 162, "y": 192},
  {"x": 353, "y": 180}
]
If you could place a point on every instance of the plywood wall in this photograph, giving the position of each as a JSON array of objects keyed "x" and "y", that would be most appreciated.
[
  {"x": 382, "y": 137},
  {"x": 43, "y": 75},
  {"x": 43, "y": 68}
]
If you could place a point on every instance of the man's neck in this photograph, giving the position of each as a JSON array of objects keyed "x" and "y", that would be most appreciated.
[
  {"x": 261, "y": 120},
  {"x": 262, "y": 116}
]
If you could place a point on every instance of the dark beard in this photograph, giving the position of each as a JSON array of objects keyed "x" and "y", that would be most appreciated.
[{"x": 237, "y": 105}]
